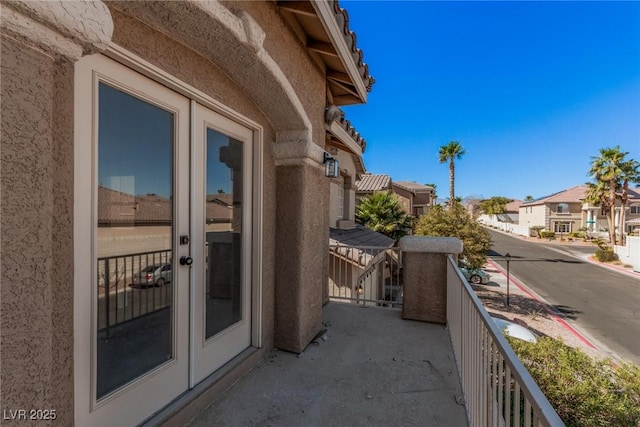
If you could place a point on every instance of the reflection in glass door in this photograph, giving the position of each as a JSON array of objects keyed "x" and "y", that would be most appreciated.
[
  {"x": 223, "y": 231},
  {"x": 222, "y": 267},
  {"x": 135, "y": 244}
]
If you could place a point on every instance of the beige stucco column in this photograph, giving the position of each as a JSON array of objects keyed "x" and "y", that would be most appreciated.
[
  {"x": 40, "y": 42},
  {"x": 424, "y": 263},
  {"x": 302, "y": 238}
]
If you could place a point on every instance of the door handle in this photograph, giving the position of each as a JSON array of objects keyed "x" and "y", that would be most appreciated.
[{"x": 186, "y": 260}]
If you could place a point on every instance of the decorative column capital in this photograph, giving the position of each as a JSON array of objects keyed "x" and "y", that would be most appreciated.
[
  {"x": 70, "y": 29},
  {"x": 297, "y": 148}
]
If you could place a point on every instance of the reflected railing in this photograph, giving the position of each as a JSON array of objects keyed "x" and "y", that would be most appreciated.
[
  {"x": 133, "y": 285},
  {"x": 498, "y": 389},
  {"x": 366, "y": 275}
]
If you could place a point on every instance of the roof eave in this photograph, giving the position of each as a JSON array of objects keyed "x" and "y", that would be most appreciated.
[{"x": 335, "y": 33}]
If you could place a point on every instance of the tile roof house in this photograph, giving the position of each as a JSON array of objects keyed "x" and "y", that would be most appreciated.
[
  {"x": 370, "y": 183},
  {"x": 416, "y": 198},
  {"x": 121, "y": 120},
  {"x": 566, "y": 211}
]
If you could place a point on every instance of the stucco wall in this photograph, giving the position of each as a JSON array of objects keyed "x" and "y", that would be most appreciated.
[
  {"x": 405, "y": 198},
  {"x": 36, "y": 188},
  {"x": 303, "y": 230},
  {"x": 536, "y": 218},
  {"x": 291, "y": 55}
]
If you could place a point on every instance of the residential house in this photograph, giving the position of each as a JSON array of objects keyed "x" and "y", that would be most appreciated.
[
  {"x": 560, "y": 212},
  {"x": 511, "y": 212},
  {"x": 138, "y": 132},
  {"x": 416, "y": 198},
  {"x": 371, "y": 183},
  {"x": 566, "y": 211}
]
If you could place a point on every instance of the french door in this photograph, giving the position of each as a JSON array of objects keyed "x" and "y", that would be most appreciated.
[{"x": 163, "y": 237}]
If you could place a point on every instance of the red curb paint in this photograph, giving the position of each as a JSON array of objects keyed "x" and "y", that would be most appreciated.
[{"x": 522, "y": 287}]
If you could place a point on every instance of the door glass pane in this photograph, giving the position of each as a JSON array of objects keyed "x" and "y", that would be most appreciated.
[
  {"x": 135, "y": 244},
  {"x": 223, "y": 230}
]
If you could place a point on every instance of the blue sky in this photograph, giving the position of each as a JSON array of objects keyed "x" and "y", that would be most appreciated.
[{"x": 532, "y": 90}]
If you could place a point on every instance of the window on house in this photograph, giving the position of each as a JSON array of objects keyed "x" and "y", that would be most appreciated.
[
  {"x": 635, "y": 209},
  {"x": 562, "y": 227},
  {"x": 562, "y": 208}
]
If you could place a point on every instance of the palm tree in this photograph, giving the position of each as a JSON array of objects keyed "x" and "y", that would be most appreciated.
[
  {"x": 528, "y": 199},
  {"x": 453, "y": 150},
  {"x": 383, "y": 212},
  {"x": 630, "y": 174},
  {"x": 606, "y": 170}
]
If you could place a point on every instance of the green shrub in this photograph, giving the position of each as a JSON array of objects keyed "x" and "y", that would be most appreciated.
[
  {"x": 578, "y": 235},
  {"x": 602, "y": 244},
  {"x": 547, "y": 234},
  {"x": 606, "y": 255},
  {"x": 583, "y": 391}
]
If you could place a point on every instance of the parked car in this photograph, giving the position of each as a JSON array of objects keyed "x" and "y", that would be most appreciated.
[
  {"x": 514, "y": 330},
  {"x": 474, "y": 275},
  {"x": 157, "y": 274}
]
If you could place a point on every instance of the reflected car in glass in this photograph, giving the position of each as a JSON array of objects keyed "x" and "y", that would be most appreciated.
[{"x": 157, "y": 275}]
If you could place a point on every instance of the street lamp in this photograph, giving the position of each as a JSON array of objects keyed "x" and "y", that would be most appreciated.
[{"x": 507, "y": 257}]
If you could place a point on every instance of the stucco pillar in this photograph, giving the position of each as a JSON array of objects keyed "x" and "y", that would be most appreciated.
[
  {"x": 40, "y": 42},
  {"x": 302, "y": 240},
  {"x": 424, "y": 263}
]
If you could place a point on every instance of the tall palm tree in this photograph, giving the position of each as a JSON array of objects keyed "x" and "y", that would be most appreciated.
[
  {"x": 450, "y": 152},
  {"x": 383, "y": 212},
  {"x": 606, "y": 170},
  {"x": 630, "y": 174}
]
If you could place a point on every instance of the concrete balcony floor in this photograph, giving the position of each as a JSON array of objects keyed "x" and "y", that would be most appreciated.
[{"x": 371, "y": 368}]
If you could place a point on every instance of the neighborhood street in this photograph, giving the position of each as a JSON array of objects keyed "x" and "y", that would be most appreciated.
[{"x": 602, "y": 303}]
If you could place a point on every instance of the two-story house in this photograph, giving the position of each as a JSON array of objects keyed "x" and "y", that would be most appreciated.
[
  {"x": 188, "y": 134},
  {"x": 415, "y": 198},
  {"x": 566, "y": 211}
]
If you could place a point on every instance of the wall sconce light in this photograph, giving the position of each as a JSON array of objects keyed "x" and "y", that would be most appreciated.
[{"x": 331, "y": 167}]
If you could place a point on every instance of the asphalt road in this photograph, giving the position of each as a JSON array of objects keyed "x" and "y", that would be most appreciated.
[{"x": 603, "y": 303}]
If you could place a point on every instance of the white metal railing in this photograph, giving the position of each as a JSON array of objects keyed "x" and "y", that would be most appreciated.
[
  {"x": 498, "y": 389},
  {"x": 365, "y": 274}
]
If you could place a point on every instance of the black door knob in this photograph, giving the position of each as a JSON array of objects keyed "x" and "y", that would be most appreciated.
[{"x": 186, "y": 260}]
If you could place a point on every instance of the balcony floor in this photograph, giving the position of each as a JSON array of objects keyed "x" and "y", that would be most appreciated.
[{"x": 371, "y": 368}]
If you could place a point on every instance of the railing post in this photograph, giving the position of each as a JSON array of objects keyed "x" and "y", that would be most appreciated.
[
  {"x": 425, "y": 276},
  {"x": 107, "y": 296}
]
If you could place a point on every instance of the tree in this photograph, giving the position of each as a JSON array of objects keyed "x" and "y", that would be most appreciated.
[
  {"x": 451, "y": 152},
  {"x": 456, "y": 222},
  {"x": 383, "y": 212},
  {"x": 610, "y": 170},
  {"x": 495, "y": 205},
  {"x": 528, "y": 199},
  {"x": 630, "y": 174}
]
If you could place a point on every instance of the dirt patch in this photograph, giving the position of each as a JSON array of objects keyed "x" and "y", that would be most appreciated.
[{"x": 539, "y": 317}]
